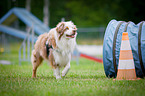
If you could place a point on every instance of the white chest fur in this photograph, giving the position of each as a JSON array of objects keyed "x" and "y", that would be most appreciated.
[
  {"x": 61, "y": 59},
  {"x": 62, "y": 54}
]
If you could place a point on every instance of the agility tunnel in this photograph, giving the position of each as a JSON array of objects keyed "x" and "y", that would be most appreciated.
[{"x": 112, "y": 44}]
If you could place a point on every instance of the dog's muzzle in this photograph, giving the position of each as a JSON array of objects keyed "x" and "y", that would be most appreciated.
[{"x": 74, "y": 33}]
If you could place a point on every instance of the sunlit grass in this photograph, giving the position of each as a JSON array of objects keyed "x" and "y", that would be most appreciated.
[{"x": 86, "y": 79}]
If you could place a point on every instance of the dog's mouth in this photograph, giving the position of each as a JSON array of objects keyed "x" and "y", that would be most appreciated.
[{"x": 70, "y": 36}]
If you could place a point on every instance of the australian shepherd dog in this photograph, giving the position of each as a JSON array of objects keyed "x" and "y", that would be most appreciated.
[{"x": 56, "y": 46}]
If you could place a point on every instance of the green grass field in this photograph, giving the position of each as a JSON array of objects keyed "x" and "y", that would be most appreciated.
[{"x": 86, "y": 79}]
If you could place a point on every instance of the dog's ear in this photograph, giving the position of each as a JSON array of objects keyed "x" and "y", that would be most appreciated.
[{"x": 60, "y": 27}]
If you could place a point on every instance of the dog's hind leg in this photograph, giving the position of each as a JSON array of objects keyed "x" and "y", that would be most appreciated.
[{"x": 36, "y": 60}]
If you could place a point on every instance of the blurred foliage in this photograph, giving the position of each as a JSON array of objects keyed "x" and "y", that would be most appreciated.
[{"x": 84, "y": 13}]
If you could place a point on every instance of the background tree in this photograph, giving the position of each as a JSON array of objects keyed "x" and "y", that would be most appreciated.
[{"x": 85, "y": 13}]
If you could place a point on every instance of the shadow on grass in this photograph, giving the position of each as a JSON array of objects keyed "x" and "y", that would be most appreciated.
[
  {"x": 43, "y": 77},
  {"x": 69, "y": 77},
  {"x": 86, "y": 77}
]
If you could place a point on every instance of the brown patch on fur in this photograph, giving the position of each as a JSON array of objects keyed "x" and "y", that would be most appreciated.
[
  {"x": 61, "y": 30},
  {"x": 51, "y": 59},
  {"x": 75, "y": 27},
  {"x": 39, "y": 53},
  {"x": 36, "y": 60},
  {"x": 62, "y": 33},
  {"x": 51, "y": 39}
]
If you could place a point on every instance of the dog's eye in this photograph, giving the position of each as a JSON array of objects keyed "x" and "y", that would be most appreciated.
[{"x": 67, "y": 28}]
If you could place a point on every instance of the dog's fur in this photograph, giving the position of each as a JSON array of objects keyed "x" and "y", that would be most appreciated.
[{"x": 62, "y": 38}]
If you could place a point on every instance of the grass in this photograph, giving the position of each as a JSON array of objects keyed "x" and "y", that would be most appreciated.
[{"x": 86, "y": 79}]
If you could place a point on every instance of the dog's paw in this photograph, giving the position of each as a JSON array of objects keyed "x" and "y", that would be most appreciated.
[
  {"x": 33, "y": 76},
  {"x": 63, "y": 74},
  {"x": 58, "y": 77},
  {"x": 54, "y": 74}
]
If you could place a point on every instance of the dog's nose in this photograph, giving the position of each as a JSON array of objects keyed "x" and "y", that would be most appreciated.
[{"x": 74, "y": 31}]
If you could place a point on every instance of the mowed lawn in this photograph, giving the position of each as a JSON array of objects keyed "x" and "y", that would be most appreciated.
[{"x": 86, "y": 79}]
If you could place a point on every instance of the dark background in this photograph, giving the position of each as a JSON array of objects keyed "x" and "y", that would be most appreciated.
[{"x": 84, "y": 13}]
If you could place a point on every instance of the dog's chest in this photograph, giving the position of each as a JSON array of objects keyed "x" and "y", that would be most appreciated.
[
  {"x": 61, "y": 58},
  {"x": 62, "y": 55}
]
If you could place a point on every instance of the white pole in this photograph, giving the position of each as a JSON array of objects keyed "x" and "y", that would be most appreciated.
[
  {"x": 28, "y": 7},
  {"x": 28, "y": 3},
  {"x": 46, "y": 12}
]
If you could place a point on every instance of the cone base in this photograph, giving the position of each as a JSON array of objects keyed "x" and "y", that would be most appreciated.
[
  {"x": 126, "y": 74},
  {"x": 127, "y": 79}
]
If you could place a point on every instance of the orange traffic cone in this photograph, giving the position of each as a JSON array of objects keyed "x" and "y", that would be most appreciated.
[{"x": 126, "y": 68}]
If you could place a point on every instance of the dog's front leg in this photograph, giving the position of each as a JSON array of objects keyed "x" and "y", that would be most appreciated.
[
  {"x": 66, "y": 69},
  {"x": 57, "y": 73}
]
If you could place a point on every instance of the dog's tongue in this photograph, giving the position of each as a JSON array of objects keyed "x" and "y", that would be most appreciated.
[{"x": 71, "y": 36}]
